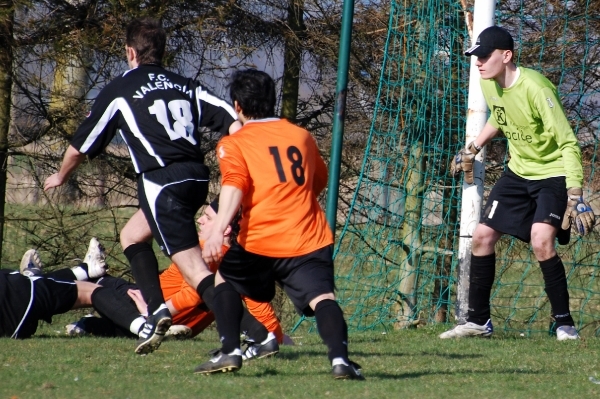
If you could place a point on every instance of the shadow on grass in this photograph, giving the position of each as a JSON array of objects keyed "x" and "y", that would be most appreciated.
[
  {"x": 268, "y": 372},
  {"x": 283, "y": 354},
  {"x": 453, "y": 356},
  {"x": 323, "y": 354},
  {"x": 402, "y": 376},
  {"x": 271, "y": 371}
]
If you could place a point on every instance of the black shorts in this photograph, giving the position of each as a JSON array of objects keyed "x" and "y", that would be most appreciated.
[
  {"x": 303, "y": 278},
  {"x": 516, "y": 203},
  {"x": 118, "y": 284},
  {"x": 170, "y": 197},
  {"x": 29, "y": 300}
]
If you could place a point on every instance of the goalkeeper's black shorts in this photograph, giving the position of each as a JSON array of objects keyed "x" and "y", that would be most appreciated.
[{"x": 516, "y": 203}]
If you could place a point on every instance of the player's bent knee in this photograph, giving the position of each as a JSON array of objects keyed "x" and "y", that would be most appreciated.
[
  {"x": 315, "y": 301},
  {"x": 484, "y": 239},
  {"x": 84, "y": 294}
]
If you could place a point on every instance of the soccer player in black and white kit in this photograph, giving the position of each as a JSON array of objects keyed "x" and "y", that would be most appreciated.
[{"x": 157, "y": 113}]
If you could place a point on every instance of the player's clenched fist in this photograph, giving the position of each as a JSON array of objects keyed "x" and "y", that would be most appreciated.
[
  {"x": 578, "y": 211},
  {"x": 463, "y": 162}
]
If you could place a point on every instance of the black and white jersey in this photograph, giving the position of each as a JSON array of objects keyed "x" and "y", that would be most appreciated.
[{"x": 157, "y": 113}]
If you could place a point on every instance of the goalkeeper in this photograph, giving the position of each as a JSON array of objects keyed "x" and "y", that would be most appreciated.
[{"x": 543, "y": 178}]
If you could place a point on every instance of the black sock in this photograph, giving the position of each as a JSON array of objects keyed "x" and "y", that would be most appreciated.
[
  {"x": 144, "y": 268},
  {"x": 103, "y": 327},
  {"x": 483, "y": 271},
  {"x": 228, "y": 314},
  {"x": 206, "y": 291},
  {"x": 556, "y": 288},
  {"x": 332, "y": 328},
  {"x": 113, "y": 306},
  {"x": 249, "y": 325},
  {"x": 253, "y": 328},
  {"x": 62, "y": 275}
]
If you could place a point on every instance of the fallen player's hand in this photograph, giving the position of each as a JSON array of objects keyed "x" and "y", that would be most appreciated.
[
  {"x": 212, "y": 251},
  {"x": 579, "y": 212},
  {"x": 138, "y": 299},
  {"x": 463, "y": 162}
]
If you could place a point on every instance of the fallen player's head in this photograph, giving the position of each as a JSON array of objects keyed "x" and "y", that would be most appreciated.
[
  {"x": 254, "y": 92},
  {"x": 206, "y": 222}
]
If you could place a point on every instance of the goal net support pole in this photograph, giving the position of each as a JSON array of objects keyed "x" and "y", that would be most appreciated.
[{"x": 472, "y": 194}]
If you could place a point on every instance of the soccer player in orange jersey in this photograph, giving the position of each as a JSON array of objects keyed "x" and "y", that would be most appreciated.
[
  {"x": 182, "y": 300},
  {"x": 273, "y": 169}
]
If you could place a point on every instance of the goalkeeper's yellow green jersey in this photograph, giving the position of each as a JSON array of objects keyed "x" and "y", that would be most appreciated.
[{"x": 540, "y": 140}]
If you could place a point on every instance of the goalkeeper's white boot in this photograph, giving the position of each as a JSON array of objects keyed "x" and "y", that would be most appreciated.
[
  {"x": 469, "y": 330},
  {"x": 564, "y": 333}
]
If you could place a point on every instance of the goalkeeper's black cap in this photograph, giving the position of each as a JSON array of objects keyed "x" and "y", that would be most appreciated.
[{"x": 490, "y": 39}]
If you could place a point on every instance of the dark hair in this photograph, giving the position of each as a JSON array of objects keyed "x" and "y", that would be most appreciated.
[
  {"x": 254, "y": 92},
  {"x": 147, "y": 37},
  {"x": 235, "y": 222}
]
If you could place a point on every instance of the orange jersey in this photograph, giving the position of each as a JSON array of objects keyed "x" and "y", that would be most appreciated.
[
  {"x": 186, "y": 300},
  {"x": 278, "y": 168}
]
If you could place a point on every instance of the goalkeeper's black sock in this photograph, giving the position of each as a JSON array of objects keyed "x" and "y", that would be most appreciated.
[
  {"x": 556, "y": 289},
  {"x": 228, "y": 310},
  {"x": 483, "y": 271},
  {"x": 332, "y": 328},
  {"x": 144, "y": 267}
]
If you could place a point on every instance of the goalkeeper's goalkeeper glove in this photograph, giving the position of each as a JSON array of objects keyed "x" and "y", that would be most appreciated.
[
  {"x": 579, "y": 212},
  {"x": 463, "y": 162}
]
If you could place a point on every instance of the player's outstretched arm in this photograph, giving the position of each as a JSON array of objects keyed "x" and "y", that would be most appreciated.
[{"x": 72, "y": 159}]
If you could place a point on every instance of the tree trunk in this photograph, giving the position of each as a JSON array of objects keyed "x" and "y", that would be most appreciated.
[
  {"x": 292, "y": 59},
  {"x": 6, "y": 71},
  {"x": 68, "y": 91},
  {"x": 410, "y": 235}
]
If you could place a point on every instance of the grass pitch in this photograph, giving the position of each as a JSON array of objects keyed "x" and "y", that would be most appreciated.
[{"x": 407, "y": 363}]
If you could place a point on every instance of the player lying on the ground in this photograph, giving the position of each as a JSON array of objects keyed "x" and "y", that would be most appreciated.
[
  {"x": 190, "y": 315},
  {"x": 26, "y": 298},
  {"x": 273, "y": 169},
  {"x": 120, "y": 304}
]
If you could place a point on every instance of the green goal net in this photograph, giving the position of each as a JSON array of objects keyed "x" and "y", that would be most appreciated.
[{"x": 397, "y": 249}]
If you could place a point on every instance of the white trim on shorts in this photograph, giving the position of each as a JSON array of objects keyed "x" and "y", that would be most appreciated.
[
  {"x": 152, "y": 191},
  {"x": 31, "y": 294}
]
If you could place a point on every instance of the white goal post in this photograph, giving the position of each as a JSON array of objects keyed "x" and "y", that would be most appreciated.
[{"x": 472, "y": 195}]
